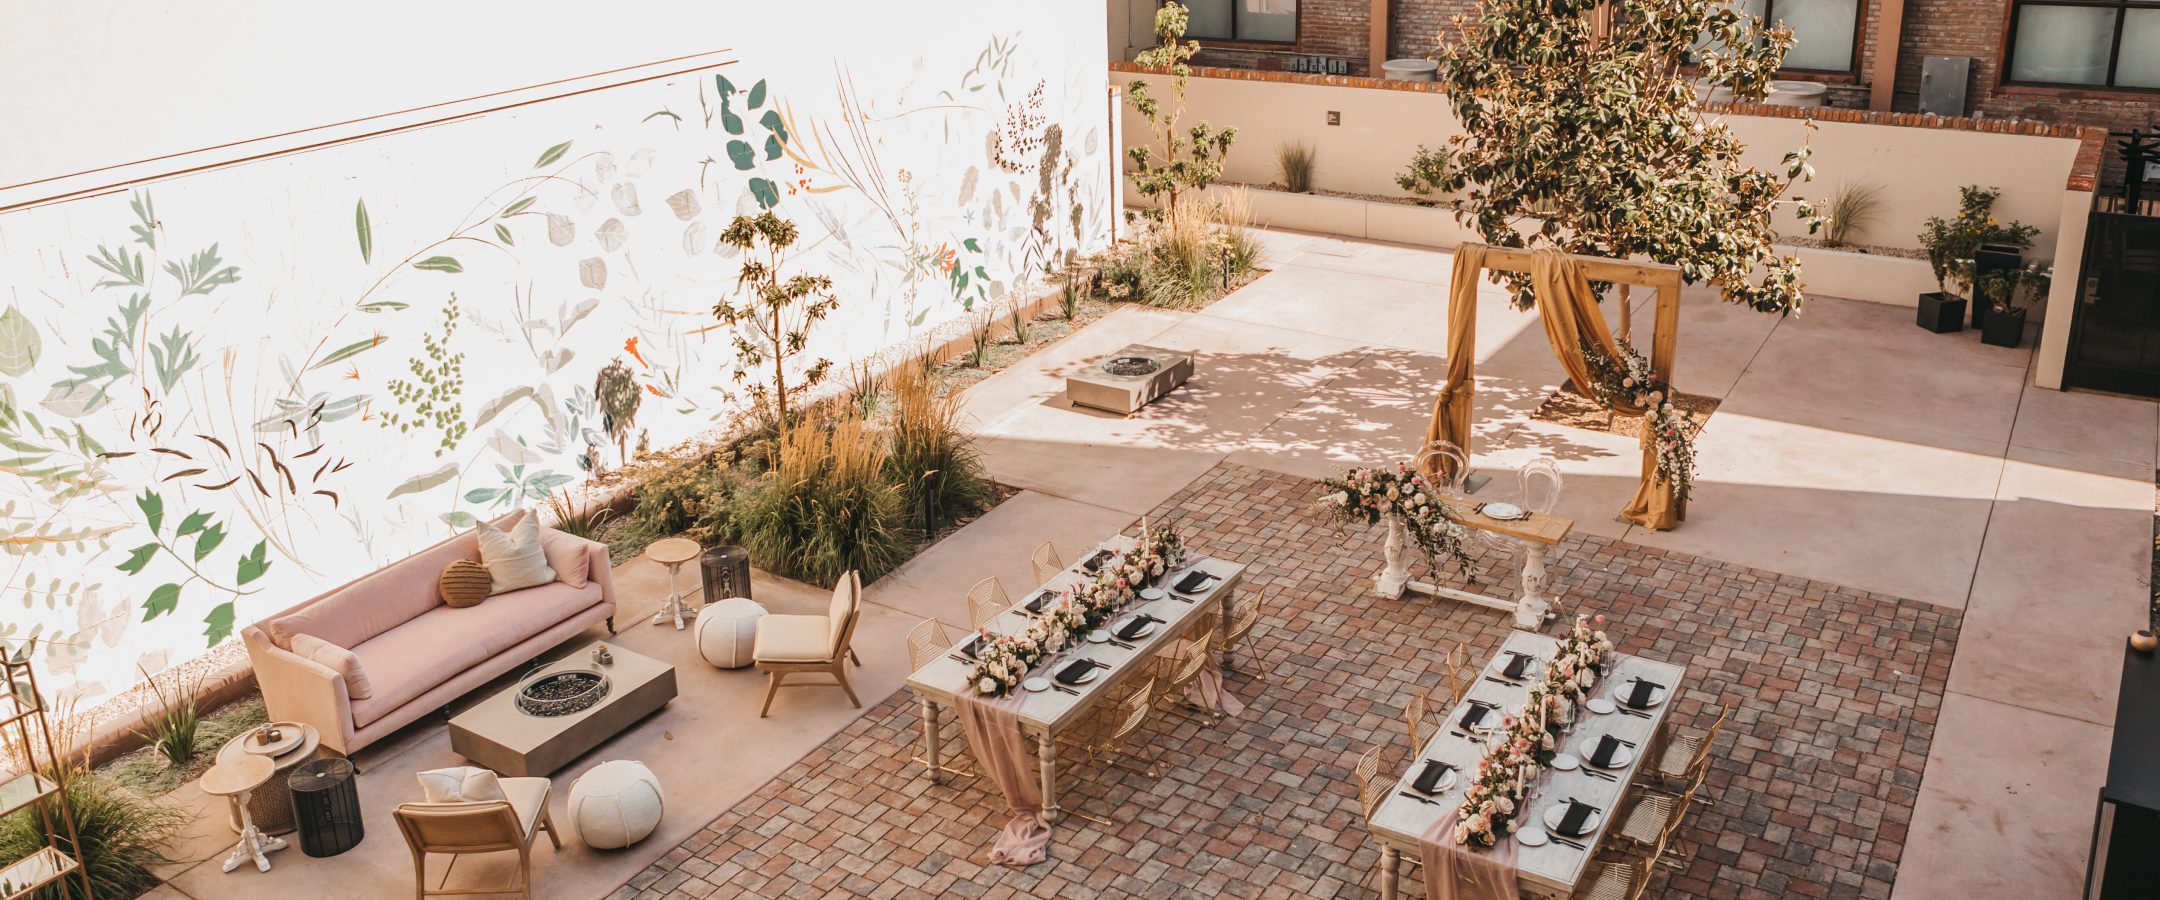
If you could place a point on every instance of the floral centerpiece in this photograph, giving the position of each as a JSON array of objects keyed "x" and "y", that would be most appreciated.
[
  {"x": 1367, "y": 495},
  {"x": 1630, "y": 381},
  {"x": 1002, "y": 661},
  {"x": 1527, "y": 740}
]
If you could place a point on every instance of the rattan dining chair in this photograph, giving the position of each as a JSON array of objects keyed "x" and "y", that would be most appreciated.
[
  {"x": 1177, "y": 668},
  {"x": 1459, "y": 670},
  {"x": 1417, "y": 714},
  {"x": 1108, "y": 735},
  {"x": 1684, "y": 756},
  {"x": 1046, "y": 563},
  {"x": 1651, "y": 822},
  {"x": 1371, "y": 791},
  {"x": 486, "y": 826},
  {"x": 1616, "y": 880},
  {"x": 1244, "y": 614},
  {"x": 987, "y": 600},
  {"x": 928, "y": 639}
]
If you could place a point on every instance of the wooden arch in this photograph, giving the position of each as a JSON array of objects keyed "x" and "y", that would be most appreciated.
[{"x": 1570, "y": 312}]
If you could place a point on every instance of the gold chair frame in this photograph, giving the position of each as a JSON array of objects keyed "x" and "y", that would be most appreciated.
[
  {"x": 485, "y": 826},
  {"x": 924, "y": 642},
  {"x": 986, "y": 600},
  {"x": 1045, "y": 562}
]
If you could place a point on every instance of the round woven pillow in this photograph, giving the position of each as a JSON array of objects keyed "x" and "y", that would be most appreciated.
[{"x": 465, "y": 583}]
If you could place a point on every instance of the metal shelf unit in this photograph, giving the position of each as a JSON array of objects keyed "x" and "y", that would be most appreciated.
[{"x": 22, "y": 712}]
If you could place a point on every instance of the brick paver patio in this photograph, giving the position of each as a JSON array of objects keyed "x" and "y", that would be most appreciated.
[{"x": 1835, "y": 695}]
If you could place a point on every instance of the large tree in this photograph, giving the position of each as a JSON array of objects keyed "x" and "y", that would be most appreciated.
[{"x": 1581, "y": 129}]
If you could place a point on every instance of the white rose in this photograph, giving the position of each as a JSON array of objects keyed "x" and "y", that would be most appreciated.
[
  {"x": 986, "y": 686},
  {"x": 1339, "y": 498}
]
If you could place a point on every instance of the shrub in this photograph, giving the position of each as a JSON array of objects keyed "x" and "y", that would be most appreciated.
[
  {"x": 1947, "y": 240},
  {"x": 1852, "y": 208},
  {"x": 574, "y": 520},
  {"x": 933, "y": 462},
  {"x": 825, "y": 507},
  {"x": 1188, "y": 259},
  {"x": 690, "y": 498},
  {"x": 1427, "y": 170},
  {"x": 1019, "y": 323},
  {"x": 170, "y": 728},
  {"x": 1296, "y": 161},
  {"x": 121, "y": 833}
]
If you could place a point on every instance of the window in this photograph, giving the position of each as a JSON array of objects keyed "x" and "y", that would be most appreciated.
[
  {"x": 2095, "y": 43},
  {"x": 1260, "y": 21},
  {"x": 1824, "y": 31}
]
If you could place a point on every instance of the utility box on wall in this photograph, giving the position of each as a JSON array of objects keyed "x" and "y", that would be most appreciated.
[{"x": 1942, "y": 84}]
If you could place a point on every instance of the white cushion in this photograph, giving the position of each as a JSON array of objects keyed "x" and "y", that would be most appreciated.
[
  {"x": 843, "y": 602},
  {"x": 727, "y": 632},
  {"x": 616, "y": 804},
  {"x": 793, "y": 639},
  {"x": 460, "y": 784},
  {"x": 515, "y": 558},
  {"x": 528, "y": 798},
  {"x": 339, "y": 660}
]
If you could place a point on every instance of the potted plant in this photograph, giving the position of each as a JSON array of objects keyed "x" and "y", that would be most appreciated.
[
  {"x": 2002, "y": 290},
  {"x": 1942, "y": 310},
  {"x": 1975, "y": 234}
]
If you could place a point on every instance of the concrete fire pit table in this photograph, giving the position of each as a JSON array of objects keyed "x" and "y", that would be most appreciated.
[
  {"x": 497, "y": 734},
  {"x": 1129, "y": 379}
]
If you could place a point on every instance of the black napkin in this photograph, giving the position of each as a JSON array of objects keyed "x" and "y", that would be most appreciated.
[
  {"x": 1578, "y": 814},
  {"x": 1514, "y": 668},
  {"x": 1040, "y": 600},
  {"x": 1471, "y": 718},
  {"x": 1430, "y": 777},
  {"x": 1092, "y": 563},
  {"x": 1132, "y": 629},
  {"x": 1640, "y": 696},
  {"x": 968, "y": 649},
  {"x": 1077, "y": 670},
  {"x": 1606, "y": 747},
  {"x": 1193, "y": 582}
]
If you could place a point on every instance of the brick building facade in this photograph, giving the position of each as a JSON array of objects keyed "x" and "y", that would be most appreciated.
[{"x": 1977, "y": 29}]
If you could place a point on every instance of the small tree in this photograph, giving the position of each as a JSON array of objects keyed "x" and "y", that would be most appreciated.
[
  {"x": 1192, "y": 160},
  {"x": 1598, "y": 133},
  {"x": 772, "y": 321}
]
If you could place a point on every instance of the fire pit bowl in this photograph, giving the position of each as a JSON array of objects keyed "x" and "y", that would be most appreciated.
[
  {"x": 1129, "y": 379},
  {"x": 1130, "y": 365},
  {"x": 561, "y": 693}
]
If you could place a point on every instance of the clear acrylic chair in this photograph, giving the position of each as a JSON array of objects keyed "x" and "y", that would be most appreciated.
[
  {"x": 1437, "y": 459},
  {"x": 1537, "y": 489}
]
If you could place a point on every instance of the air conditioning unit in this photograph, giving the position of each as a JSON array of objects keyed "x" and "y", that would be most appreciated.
[{"x": 1942, "y": 84}]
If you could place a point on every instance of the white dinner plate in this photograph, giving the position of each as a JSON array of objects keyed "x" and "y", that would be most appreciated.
[
  {"x": 1601, "y": 706},
  {"x": 1558, "y": 811},
  {"x": 1657, "y": 695},
  {"x": 1037, "y": 683},
  {"x": 1532, "y": 836},
  {"x": 1504, "y": 511},
  {"x": 1097, "y": 670},
  {"x": 1565, "y": 762},
  {"x": 1152, "y": 593},
  {"x": 1098, "y": 636},
  {"x": 1145, "y": 630},
  {"x": 1446, "y": 781},
  {"x": 1620, "y": 757}
]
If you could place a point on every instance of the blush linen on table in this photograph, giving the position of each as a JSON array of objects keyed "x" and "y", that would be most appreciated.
[
  {"x": 1458, "y": 872},
  {"x": 992, "y": 726},
  {"x": 1208, "y": 692}
]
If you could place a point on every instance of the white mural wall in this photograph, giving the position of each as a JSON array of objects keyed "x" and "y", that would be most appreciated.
[{"x": 223, "y": 393}]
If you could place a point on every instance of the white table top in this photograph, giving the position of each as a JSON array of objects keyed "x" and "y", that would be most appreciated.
[
  {"x": 1554, "y": 868},
  {"x": 1050, "y": 711}
]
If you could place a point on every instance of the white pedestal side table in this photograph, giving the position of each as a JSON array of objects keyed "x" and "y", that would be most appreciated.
[
  {"x": 234, "y": 780},
  {"x": 672, "y": 553}
]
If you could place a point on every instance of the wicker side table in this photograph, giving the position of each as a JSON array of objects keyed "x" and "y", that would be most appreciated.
[{"x": 271, "y": 804}]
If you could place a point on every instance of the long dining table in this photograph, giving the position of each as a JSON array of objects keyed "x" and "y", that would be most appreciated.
[
  {"x": 1044, "y": 715},
  {"x": 1556, "y": 868}
]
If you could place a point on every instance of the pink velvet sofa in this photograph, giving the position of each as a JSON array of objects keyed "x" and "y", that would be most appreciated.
[{"x": 419, "y": 654}]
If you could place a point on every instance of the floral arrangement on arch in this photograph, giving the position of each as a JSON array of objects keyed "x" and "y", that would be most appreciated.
[
  {"x": 1631, "y": 381},
  {"x": 1367, "y": 495},
  {"x": 1002, "y": 661},
  {"x": 1527, "y": 739}
]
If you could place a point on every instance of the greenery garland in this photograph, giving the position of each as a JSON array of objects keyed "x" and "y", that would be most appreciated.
[{"x": 1631, "y": 382}]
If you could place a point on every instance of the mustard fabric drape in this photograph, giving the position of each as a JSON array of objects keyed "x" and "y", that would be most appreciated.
[{"x": 1571, "y": 317}]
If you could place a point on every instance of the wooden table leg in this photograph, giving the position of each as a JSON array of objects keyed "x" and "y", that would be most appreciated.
[
  {"x": 1390, "y": 863},
  {"x": 930, "y": 741},
  {"x": 1225, "y": 615},
  {"x": 1046, "y": 750}
]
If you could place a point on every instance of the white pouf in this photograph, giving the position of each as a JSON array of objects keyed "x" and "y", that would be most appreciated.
[
  {"x": 616, "y": 804},
  {"x": 727, "y": 631}
]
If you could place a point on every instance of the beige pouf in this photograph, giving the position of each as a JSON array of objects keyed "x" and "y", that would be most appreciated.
[
  {"x": 727, "y": 630},
  {"x": 616, "y": 804}
]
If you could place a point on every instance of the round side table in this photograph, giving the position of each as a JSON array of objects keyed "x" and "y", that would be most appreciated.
[
  {"x": 673, "y": 553},
  {"x": 271, "y": 804},
  {"x": 234, "y": 781},
  {"x": 326, "y": 805}
]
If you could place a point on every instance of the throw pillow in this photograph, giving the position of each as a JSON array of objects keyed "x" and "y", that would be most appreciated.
[
  {"x": 515, "y": 558},
  {"x": 465, "y": 583},
  {"x": 337, "y": 659},
  {"x": 460, "y": 784},
  {"x": 569, "y": 557}
]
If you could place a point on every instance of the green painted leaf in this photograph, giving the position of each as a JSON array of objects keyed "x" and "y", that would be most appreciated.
[
  {"x": 218, "y": 625},
  {"x": 671, "y": 115},
  {"x": 458, "y": 519},
  {"x": 739, "y": 151},
  {"x": 973, "y": 245},
  {"x": 153, "y": 509},
  {"x": 19, "y": 342},
  {"x": 212, "y": 535},
  {"x": 727, "y": 88},
  {"x": 771, "y": 121},
  {"x": 772, "y": 148},
  {"x": 439, "y": 264},
  {"x": 254, "y": 564},
  {"x": 193, "y": 523},
  {"x": 551, "y": 154},
  {"x": 730, "y": 121},
  {"x": 384, "y": 306},
  {"x": 163, "y": 599},
  {"x": 365, "y": 231},
  {"x": 139, "y": 558},
  {"x": 348, "y": 351},
  {"x": 420, "y": 483},
  {"x": 757, "y": 94},
  {"x": 503, "y": 234},
  {"x": 480, "y": 495},
  {"x": 518, "y": 207},
  {"x": 767, "y": 195}
]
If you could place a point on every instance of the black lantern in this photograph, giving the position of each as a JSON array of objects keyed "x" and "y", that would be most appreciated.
[
  {"x": 727, "y": 574},
  {"x": 326, "y": 806}
]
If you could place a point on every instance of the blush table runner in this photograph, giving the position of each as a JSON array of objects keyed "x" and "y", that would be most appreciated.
[{"x": 992, "y": 726}]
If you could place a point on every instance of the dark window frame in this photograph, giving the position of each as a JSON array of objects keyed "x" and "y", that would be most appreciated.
[
  {"x": 1297, "y": 30},
  {"x": 2122, "y": 9}
]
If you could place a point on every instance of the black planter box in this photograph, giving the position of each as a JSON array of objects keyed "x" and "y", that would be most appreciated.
[
  {"x": 1941, "y": 313},
  {"x": 1988, "y": 259},
  {"x": 2005, "y": 327}
]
